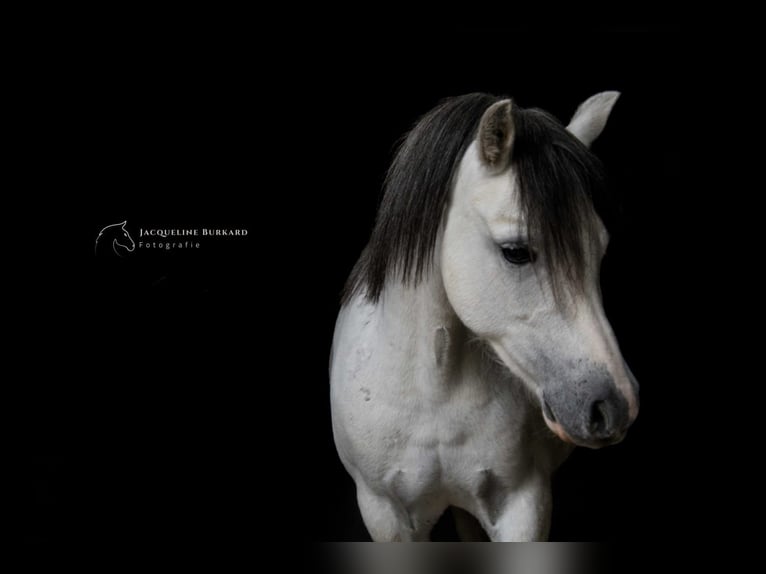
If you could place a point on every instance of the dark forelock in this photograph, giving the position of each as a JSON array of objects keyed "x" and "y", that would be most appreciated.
[{"x": 557, "y": 179}]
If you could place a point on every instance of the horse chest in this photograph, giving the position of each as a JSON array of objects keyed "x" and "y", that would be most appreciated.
[
  {"x": 437, "y": 424},
  {"x": 444, "y": 446}
]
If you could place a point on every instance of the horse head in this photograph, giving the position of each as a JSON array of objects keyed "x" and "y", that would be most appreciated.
[{"x": 520, "y": 260}]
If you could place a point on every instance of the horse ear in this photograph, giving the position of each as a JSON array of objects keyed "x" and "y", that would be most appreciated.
[
  {"x": 590, "y": 118},
  {"x": 496, "y": 132}
]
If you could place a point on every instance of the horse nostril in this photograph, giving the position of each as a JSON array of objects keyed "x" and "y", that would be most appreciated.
[
  {"x": 548, "y": 412},
  {"x": 599, "y": 418}
]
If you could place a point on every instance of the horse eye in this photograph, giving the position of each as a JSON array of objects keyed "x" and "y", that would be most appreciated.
[{"x": 518, "y": 254}]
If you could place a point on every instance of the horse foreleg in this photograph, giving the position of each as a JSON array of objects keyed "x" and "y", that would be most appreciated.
[
  {"x": 387, "y": 520},
  {"x": 524, "y": 515}
]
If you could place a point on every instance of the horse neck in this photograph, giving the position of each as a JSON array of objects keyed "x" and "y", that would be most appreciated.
[
  {"x": 424, "y": 304},
  {"x": 421, "y": 324}
]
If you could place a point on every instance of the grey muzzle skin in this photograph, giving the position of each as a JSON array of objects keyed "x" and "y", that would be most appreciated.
[{"x": 591, "y": 411}]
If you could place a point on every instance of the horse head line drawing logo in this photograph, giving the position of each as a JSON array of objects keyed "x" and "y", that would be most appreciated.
[{"x": 119, "y": 236}]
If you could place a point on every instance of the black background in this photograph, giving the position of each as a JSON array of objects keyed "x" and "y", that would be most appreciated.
[{"x": 193, "y": 407}]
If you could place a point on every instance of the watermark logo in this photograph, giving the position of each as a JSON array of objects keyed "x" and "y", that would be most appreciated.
[{"x": 115, "y": 238}]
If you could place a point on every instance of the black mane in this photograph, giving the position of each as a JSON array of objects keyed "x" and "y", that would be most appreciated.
[{"x": 557, "y": 179}]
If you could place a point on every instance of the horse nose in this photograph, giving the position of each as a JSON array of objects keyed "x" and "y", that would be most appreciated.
[{"x": 589, "y": 412}]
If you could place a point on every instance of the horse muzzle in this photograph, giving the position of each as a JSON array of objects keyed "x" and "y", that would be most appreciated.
[{"x": 590, "y": 415}]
